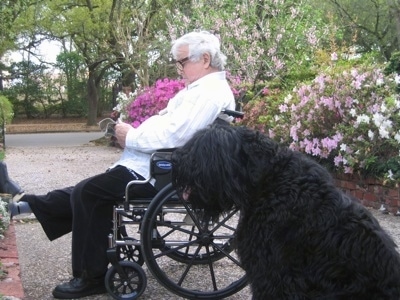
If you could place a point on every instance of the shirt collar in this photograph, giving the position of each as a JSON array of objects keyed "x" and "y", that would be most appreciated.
[{"x": 209, "y": 77}]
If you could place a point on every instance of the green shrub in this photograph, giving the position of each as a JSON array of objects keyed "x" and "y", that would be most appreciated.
[{"x": 6, "y": 110}]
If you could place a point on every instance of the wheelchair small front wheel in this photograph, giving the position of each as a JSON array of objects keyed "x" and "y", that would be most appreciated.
[{"x": 127, "y": 281}]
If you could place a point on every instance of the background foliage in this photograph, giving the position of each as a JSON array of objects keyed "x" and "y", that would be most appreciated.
[{"x": 280, "y": 52}]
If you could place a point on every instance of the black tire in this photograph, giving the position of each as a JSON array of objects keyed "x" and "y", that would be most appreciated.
[
  {"x": 191, "y": 260},
  {"x": 128, "y": 288}
]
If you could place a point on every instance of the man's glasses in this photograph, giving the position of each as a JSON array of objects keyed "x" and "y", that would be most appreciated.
[{"x": 180, "y": 64}]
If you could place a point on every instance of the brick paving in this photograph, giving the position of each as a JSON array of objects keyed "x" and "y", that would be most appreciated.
[{"x": 11, "y": 285}]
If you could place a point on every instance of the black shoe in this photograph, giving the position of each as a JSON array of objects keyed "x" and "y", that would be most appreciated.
[
  {"x": 7, "y": 185},
  {"x": 78, "y": 288}
]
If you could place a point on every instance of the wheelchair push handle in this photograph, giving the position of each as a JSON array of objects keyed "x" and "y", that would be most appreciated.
[{"x": 233, "y": 113}]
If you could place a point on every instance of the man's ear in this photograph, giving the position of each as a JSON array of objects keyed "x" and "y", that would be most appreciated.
[{"x": 207, "y": 60}]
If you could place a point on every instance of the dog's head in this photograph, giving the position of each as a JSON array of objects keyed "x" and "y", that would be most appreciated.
[{"x": 219, "y": 167}]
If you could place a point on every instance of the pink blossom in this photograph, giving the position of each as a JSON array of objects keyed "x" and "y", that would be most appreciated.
[{"x": 152, "y": 99}]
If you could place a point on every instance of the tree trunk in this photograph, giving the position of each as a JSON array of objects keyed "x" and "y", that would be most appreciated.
[
  {"x": 394, "y": 6},
  {"x": 92, "y": 99}
]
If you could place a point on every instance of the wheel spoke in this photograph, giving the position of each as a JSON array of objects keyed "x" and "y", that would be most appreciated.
[{"x": 192, "y": 257}]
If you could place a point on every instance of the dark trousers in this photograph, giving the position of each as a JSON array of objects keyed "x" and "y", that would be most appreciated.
[{"x": 86, "y": 209}]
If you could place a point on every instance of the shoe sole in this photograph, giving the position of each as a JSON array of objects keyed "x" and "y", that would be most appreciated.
[
  {"x": 64, "y": 295},
  {"x": 18, "y": 197}
]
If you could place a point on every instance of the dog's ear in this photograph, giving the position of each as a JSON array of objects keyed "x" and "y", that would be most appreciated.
[
  {"x": 222, "y": 166},
  {"x": 259, "y": 153},
  {"x": 208, "y": 166}
]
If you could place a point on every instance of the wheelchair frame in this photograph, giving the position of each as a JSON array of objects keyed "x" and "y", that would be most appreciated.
[{"x": 179, "y": 245}]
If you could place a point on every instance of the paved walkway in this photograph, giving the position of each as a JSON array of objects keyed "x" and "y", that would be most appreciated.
[{"x": 59, "y": 139}]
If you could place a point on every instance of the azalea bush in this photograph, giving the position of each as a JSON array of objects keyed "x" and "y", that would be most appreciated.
[
  {"x": 135, "y": 108},
  {"x": 347, "y": 118}
]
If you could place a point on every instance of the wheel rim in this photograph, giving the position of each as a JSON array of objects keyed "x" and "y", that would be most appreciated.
[
  {"x": 191, "y": 260},
  {"x": 129, "y": 287}
]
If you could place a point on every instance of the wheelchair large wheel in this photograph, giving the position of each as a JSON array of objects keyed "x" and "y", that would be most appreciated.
[
  {"x": 192, "y": 259},
  {"x": 125, "y": 281}
]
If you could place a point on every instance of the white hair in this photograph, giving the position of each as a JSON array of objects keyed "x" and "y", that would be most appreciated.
[{"x": 200, "y": 42}]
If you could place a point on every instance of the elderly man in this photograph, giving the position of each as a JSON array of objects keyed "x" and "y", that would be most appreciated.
[{"x": 86, "y": 208}]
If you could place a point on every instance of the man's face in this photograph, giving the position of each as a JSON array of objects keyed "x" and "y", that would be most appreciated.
[{"x": 191, "y": 71}]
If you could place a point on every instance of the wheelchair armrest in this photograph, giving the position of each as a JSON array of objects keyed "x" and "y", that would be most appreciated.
[
  {"x": 160, "y": 171},
  {"x": 166, "y": 150},
  {"x": 130, "y": 183}
]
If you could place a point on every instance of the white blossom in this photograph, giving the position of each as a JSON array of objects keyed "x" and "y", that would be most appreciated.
[
  {"x": 379, "y": 82},
  {"x": 383, "y": 133},
  {"x": 397, "y": 79},
  {"x": 378, "y": 119},
  {"x": 371, "y": 134},
  {"x": 397, "y": 137},
  {"x": 362, "y": 119}
]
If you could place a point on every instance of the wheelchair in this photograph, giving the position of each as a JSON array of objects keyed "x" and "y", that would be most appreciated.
[{"x": 190, "y": 253}]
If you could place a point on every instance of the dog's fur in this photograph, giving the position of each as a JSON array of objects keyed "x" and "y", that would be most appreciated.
[{"x": 299, "y": 237}]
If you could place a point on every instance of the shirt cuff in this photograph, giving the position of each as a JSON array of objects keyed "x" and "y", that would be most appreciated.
[{"x": 131, "y": 138}]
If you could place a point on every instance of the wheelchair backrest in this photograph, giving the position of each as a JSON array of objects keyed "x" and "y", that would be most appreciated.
[
  {"x": 160, "y": 161},
  {"x": 161, "y": 167}
]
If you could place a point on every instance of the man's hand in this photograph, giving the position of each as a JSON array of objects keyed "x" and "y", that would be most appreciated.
[{"x": 121, "y": 130}]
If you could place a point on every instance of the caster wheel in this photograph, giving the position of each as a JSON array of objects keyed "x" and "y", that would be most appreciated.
[{"x": 127, "y": 286}]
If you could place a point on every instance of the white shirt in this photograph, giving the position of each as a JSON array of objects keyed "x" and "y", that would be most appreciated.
[{"x": 192, "y": 109}]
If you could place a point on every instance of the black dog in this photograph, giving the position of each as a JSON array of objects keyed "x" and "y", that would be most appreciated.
[{"x": 299, "y": 237}]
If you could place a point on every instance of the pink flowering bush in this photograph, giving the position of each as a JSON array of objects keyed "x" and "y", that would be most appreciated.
[
  {"x": 151, "y": 100},
  {"x": 348, "y": 118},
  {"x": 135, "y": 109}
]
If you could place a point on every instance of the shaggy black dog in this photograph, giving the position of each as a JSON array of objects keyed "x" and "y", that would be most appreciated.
[{"x": 299, "y": 237}]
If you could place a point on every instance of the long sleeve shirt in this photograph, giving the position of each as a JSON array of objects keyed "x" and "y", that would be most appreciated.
[{"x": 192, "y": 109}]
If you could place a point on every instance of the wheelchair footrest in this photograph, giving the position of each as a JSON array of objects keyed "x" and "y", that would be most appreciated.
[{"x": 112, "y": 256}]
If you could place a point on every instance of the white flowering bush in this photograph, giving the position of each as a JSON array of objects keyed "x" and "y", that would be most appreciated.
[
  {"x": 4, "y": 217},
  {"x": 346, "y": 118},
  {"x": 123, "y": 101}
]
